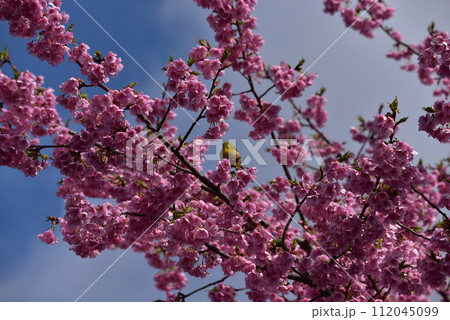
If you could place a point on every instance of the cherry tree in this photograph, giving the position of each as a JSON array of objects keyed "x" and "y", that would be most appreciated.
[{"x": 369, "y": 224}]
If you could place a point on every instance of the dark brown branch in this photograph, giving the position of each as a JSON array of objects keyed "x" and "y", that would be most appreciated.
[
  {"x": 412, "y": 231},
  {"x": 291, "y": 217},
  {"x": 267, "y": 91},
  {"x": 99, "y": 145},
  {"x": 174, "y": 165},
  {"x": 239, "y": 93},
  {"x": 310, "y": 123},
  {"x": 444, "y": 295},
  {"x": 236, "y": 232},
  {"x": 40, "y": 147},
  {"x": 323, "y": 294},
  {"x": 101, "y": 85},
  {"x": 185, "y": 162},
  {"x": 377, "y": 291},
  {"x": 388, "y": 30},
  {"x": 199, "y": 117},
  {"x": 302, "y": 278},
  {"x": 366, "y": 205},
  {"x": 184, "y": 296},
  {"x": 217, "y": 250},
  {"x": 135, "y": 214},
  {"x": 161, "y": 123},
  {"x": 285, "y": 168},
  {"x": 363, "y": 146},
  {"x": 430, "y": 203},
  {"x": 202, "y": 113}
]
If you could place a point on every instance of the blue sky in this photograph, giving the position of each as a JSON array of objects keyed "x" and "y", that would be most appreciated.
[{"x": 355, "y": 71}]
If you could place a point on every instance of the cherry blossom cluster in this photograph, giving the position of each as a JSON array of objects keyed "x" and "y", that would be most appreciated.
[
  {"x": 27, "y": 112},
  {"x": 27, "y": 18},
  {"x": 351, "y": 13},
  {"x": 436, "y": 53},
  {"x": 436, "y": 121},
  {"x": 287, "y": 83},
  {"x": 369, "y": 225},
  {"x": 433, "y": 56},
  {"x": 97, "y": 69},
  {"x": 234, "y": 27}
]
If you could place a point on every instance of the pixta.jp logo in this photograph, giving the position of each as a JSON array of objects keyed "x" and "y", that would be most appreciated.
[{"x": 148, "y": 154}]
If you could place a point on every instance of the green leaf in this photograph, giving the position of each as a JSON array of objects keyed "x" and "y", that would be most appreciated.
[
  {"x": 141, "y": 184},
  {"x": 345, "y": 156},
  {"x": 403, "y": 265},
  {"x": 433, "y": 256},
  {"x": 70, "y": 27},
  {"x": 83, "y": 95},
  {"x": 294, "y": 244},
  {"x": 299, "y": 65},
  {"x": 322, "y": 91},
  {"x": 204, "y": 43},
  {"x": 394, "y": 106},
  {"x": 429, "y": 109},
  {"x": 226, "y": 54},
  {"x": 401, "y": 120},
  {"x": 247, "y": 198},
  {"x": 4, "y": 54},
  {"x": 177, "y": 215},
  {"x": 132, "y": 84},
  {"x": 361, "y": 119},
  {"x": 190, "y": 61},
  {"x": 321, "y": 173},
  {"x": 378, "y": 244},
  {"x": 431, "y": 28}
]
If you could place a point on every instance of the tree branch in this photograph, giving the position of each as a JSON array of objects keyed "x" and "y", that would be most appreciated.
[
  {"x": 302, "y": 278},
  {"x": 412, "y": 231},
  {"x": 388, "y": 30},
  {"x": 202, "y": 113},
  {"x": 217, "y": 250},
  {"x": 183, "y": 296},
  {"x": 431, "y": 203}
]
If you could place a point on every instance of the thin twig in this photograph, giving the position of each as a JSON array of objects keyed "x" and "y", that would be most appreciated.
[
  {"x": 161, "y": 123},
  {"x": 291, "y": 217},
  {"x": 184, "y": 296},
  {"x": 412, "y": 231},
  {"x": 430, "y": 203},
  {"x": 236, "y": 232},
  {"x": 202, "y": 113},
  {"x": 387, "y": 30},
  {"x": 267, "y": 91},
  {"x": 40, "y": 147}
]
